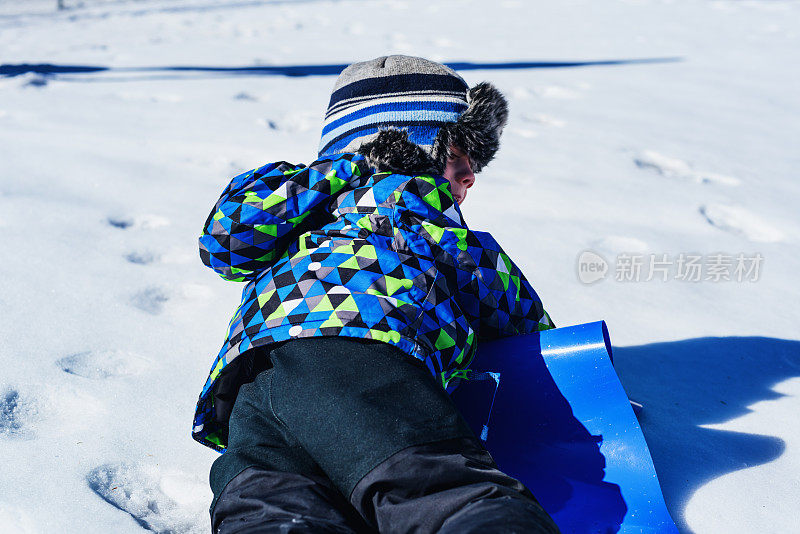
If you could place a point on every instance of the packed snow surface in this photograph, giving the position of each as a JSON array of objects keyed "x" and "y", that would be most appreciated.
[{"x": 110, "y": 322}]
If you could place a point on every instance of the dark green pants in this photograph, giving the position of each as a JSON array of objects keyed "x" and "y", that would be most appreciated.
[{"x": 345, "y": 435}]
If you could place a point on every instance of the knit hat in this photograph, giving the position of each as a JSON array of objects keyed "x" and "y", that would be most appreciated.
[{"x": 404, "y": 113}]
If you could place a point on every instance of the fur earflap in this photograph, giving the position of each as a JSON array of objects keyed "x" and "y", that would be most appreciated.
[
  {"x": 392, "y": 151},
  {"x": 477, "y": 131}
]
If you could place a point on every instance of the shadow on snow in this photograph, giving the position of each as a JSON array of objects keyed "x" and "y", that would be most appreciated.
[
  {"x": 685, "y": 385},
  {"x": 166, "y": 72}
]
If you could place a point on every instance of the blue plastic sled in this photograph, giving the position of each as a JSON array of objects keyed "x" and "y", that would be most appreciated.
[{"x": 554, "y": 415}]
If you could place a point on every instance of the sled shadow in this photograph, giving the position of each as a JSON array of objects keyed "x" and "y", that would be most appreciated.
[
  {"x": 686, "y": 384},
  {"x": 557, "y": 457}
]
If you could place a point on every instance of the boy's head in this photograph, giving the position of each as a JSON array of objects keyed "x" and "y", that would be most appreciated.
[{"x": 409, "y": 114}]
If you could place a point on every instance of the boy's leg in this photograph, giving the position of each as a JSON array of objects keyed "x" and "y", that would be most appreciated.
[
  {"x": 265, "y": 482},
  {"x": 449, "y": 487},
  {"x": 391, "y": 440}
]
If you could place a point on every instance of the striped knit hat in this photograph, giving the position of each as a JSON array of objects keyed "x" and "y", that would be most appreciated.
[{"x": 420, "y": 102}]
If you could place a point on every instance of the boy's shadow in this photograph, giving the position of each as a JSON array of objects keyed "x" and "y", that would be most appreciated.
[{"x": 686, "y": 384}]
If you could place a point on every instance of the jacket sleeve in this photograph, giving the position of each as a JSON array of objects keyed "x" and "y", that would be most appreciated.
[
  {"x": 506, "y": 302},
  {"x": 493, "y": 292},
  {"x": 263, "y": 210}
]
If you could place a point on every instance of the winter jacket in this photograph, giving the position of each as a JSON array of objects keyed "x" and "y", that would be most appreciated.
[{"x": 337, "y": 249}]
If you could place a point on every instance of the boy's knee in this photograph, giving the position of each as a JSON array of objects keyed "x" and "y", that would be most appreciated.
[
  {"x": 261, "y": 501},
  {"x": 422, "y": 486}
]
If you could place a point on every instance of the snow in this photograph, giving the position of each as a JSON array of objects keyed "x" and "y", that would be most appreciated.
[{"x": 110, "y": 321}]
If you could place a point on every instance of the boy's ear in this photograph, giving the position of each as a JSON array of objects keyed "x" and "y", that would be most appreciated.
[
  {"x": 477, "y": 131},
  {"x": 391, "y": 151}
]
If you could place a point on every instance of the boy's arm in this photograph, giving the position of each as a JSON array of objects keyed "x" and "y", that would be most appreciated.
[
  {"x": 507, "y": 303},
  {"x": 262, "y": 210},
  {"x": 500, "y": 301}
]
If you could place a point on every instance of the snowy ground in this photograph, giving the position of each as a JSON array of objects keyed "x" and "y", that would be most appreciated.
[{"x": 110, "y": 321}]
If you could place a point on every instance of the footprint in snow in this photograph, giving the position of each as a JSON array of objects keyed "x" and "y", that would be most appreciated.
[
  {"x": 99, "y": 364},
  {"x": 298, "y": 122},
  {"x": 676, "y": 168},
  {"x": 120, "y": 222},
  {"x": 32, "y": 79},
  {"x": 245, "y": 96},
  {"x": 162, "y": 502},
  {"x": 16, "y": 413},
  {"x": 141, "y": 258},
  {"x": 739, "y": 221},
  {"x": 150, "y": 300},
  {"x": 147, "y": 221}
]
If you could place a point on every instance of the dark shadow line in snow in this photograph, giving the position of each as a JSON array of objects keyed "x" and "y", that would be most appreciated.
[
  {"x": 74, "y": 13},
  {"x": 138, "y": 78},
  {"x": 685, "y": 385},
  {"x": 49, "y": 69}
]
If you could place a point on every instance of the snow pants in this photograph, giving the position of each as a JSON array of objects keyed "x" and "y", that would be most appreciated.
[{"x": 344, "y": 435}]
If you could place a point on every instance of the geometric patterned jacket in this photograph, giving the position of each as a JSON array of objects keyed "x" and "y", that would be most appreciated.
[{"x": 335, "y": 249}]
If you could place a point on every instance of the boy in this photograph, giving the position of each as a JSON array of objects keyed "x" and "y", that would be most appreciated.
[{"x": 366, "y": 295}]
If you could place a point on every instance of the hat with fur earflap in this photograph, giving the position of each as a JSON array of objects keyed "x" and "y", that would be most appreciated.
[{"x": 405, "y": 113}]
